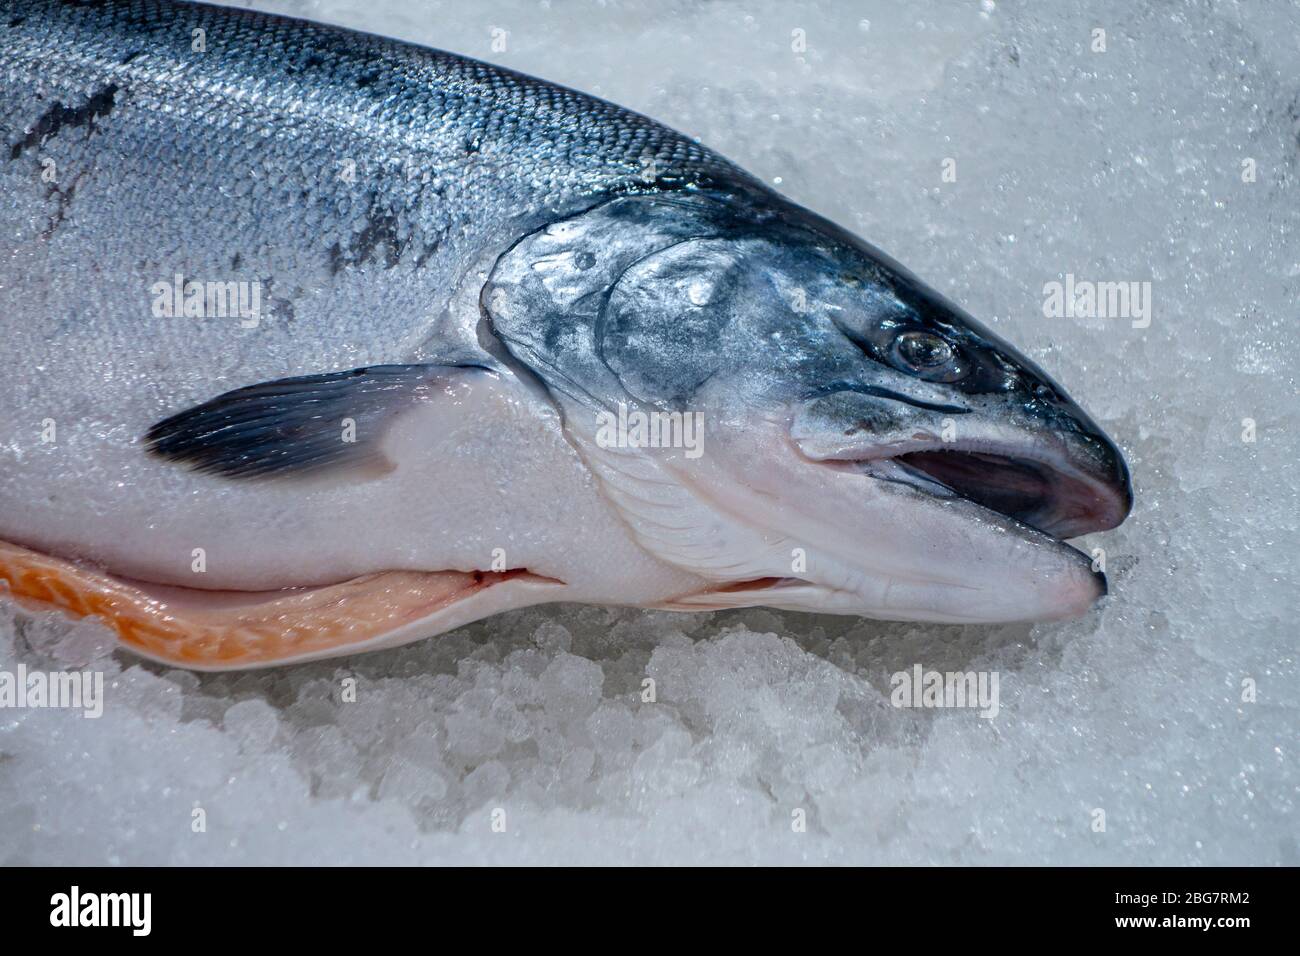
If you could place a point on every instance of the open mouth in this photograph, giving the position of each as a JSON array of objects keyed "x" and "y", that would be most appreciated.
[{"x": 1051, "y": 496}]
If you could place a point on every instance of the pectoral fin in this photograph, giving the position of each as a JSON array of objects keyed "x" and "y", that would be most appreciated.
[{"x": 296, "y": 425}]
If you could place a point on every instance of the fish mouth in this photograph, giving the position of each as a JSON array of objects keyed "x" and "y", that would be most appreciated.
[{"x": 1062, "y": 493}]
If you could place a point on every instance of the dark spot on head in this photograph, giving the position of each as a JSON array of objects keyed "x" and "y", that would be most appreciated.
[
  {"x": 281, "y": 310},
  {"x": 382, "y": 231},
  {"x": 337, "y": 259},
  {"x": 63, "y": 198},
  {"x": 427, "y": 252},
  {"x": 59, "y": 117}
]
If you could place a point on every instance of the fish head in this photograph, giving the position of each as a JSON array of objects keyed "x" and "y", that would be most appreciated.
[{"x": 862, "y": 445}]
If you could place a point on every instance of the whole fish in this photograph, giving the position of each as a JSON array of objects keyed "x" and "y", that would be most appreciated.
[{"x": 320, "y": 342}]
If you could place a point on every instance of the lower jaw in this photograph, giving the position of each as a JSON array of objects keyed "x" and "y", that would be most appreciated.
[{"x": 912, "y": 601}]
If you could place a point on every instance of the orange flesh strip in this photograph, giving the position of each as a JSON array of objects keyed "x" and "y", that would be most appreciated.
[{"x": 231, "y": 629}]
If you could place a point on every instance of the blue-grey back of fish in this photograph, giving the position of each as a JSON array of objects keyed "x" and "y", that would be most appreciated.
[{"x": 322, "y": 342}]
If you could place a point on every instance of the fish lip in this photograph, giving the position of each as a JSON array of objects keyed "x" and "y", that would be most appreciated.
[{"x": 1063, "y": 488}]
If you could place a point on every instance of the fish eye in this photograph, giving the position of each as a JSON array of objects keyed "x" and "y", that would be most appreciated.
[{"x": 928, "y": 356}]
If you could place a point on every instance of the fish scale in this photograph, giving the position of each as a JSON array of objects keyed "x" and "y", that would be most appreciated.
[{"x": 354, "y": 174}]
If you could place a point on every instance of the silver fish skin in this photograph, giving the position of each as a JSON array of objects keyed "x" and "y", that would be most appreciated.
[{"x": 422, "y": 289}]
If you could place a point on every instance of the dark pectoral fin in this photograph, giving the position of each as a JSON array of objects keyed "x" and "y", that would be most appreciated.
[{"x": 295, "y": 425}]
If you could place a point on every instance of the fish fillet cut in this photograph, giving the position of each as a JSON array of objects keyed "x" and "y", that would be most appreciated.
[{"x": 231, "y": 629}]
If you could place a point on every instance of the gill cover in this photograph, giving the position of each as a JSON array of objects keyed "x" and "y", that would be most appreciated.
[{"x": 633, "y": 307}]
